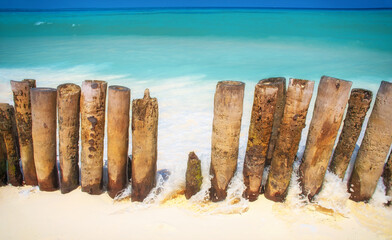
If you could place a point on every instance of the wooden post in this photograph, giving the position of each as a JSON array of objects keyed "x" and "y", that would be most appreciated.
[
  {"x": 331, "y": 101},
  {"x": 43, "y": 111},
  {"x": 299, "y": 94},
  {"x": 358, "y": 105},
  {"x": 68, "y": 100},
  {"x": 118, "y": 138},
  {"x": 3, "y": 162},
  {"x": 387, "y": 177},
  {"x": 193, "y": 177},
  {"x": 10, "y": 138},
  {"x": 260, "y": 129},
  {"x": 92, "y": 111},
  {"x": 374, "y": 148},
  {"x": 278, "y": 115},
  {"x": 21, "y": 92},
  {"x": 226, "y": 127},
  {"x": 144, "y": 145}
]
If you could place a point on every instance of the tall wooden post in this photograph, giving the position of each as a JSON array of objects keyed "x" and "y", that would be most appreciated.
[
  {"x": 260, "y": 129},
  {"x": 358, "y": 105},
  {"x": 118, "y": 138},
  {"x": 374, "y": 148},
  {"x": 299, "y": 94},
  {"x": 226, "y": 127},
  {"x": 331, "y": 101},
  {"x": 144, "y": 145},
  {"x": 10, "y": 139},
  {"x": 387, "y": 177},
  {"x": 44, "y": 126},
  {"x": 92, "y": 111},
  {"x": 278, "y": 115},
  {"x": 68, "y": 100},
  {"x": 21, "y": 92}
]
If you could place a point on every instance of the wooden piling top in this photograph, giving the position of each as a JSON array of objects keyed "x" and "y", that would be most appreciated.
[{"x": 119, "y": 88}]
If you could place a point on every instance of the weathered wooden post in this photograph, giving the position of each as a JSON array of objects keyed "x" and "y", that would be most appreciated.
[
  {"x": 260, "y": 129},
  {"x": 44, "y": 126},
  {"x": 374, "y": 148},
  {"x": 118, "y": 138},
  {"x": 3, "y": 162},
  {"x": 226, "y": 127},
  {"x": 278, "y": 115},
  {"x": 10, "y": 139},
  {"x": 331, "y": 101},
  {"x": 92, "y": 111},
  {"x": 387, "y": 177},
  {"x": 193, "y": 177},
  {"x": 68, "y": 100},
  {"x": 299, "y": 94},
  {"x": 21, "y": 92},
  {"x": 144, "y": 145},
  {"x": 358, "y": 105}
]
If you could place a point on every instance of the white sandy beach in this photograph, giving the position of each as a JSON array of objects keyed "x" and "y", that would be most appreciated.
[{"x": 27, "y": 213}]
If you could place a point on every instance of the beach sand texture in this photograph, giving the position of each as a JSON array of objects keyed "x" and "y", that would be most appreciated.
[{"x": 27, "y": 213}]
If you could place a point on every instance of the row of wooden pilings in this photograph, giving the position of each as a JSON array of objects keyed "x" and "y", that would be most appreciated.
[
  {"x": 34, "y": 125},
  {"x": 277, "y": 120}
]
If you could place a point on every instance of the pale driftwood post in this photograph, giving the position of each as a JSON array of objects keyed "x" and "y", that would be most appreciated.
[
  {"x": 21, "y": 92},
  {"x": 10, "y": 138},
  {"x": 331, "y": 101},
  {"x": 299, "y": 94},
  {"x": 68, "y": 99},
  {"x": 144, "y": 145},
  {"x": 278, "y": 115},
  {"x": 3, "y": 162},
  {"x": 358, "y": 105},
  {"x": 260, "y": 129},
  {"x": 92, "y": 112},
  {"x": 374, "y": 148},
  {"x": 43, "y": 111},
  {"x": 387, "y": 177},
  {"x": 228, "y": 103},
  {"x": 193, "y": 177},
  {"x": 118, "y": 138}
]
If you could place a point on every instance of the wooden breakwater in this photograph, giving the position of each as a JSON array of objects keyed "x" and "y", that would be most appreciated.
[{"x": 28, "y": 134}]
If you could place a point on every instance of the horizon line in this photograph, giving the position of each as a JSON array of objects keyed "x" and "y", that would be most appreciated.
[{"x": 174, "y": 8}]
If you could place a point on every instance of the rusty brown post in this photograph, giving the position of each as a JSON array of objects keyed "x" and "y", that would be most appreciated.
[
  {"x": 10, "y": 138},
  {"x": 193, "y": 177},
  {"x": 375, "y": 146},
  {"x": 68, "y": 100},
  {"x": 278, "y": 115},
  {"x": 92, "y": 111},
  {"x": 331, "y": 101},
  {"x": 358, "y": 105},
  {"x": 3, "y": 162},
  {"x": 118, "y": 138},
  {"x": 260, "y": 129},
  {"x": 44, "y": 126},
  {"x": 144, "y": 145},
  {"x": 299, "y": 94},
  {"x": 226, "y": 127},
  {"x": 387, "y": 177},
  {"x": 21, "y": 92}
]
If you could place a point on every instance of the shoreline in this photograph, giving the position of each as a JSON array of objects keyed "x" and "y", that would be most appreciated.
[{"x": 77, "y": 215}]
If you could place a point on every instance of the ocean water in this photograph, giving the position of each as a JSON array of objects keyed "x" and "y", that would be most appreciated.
[{"x": 180, "y": 55}]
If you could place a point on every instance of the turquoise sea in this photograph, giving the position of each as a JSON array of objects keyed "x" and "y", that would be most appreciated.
[{"x": 180, "y": 54}]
